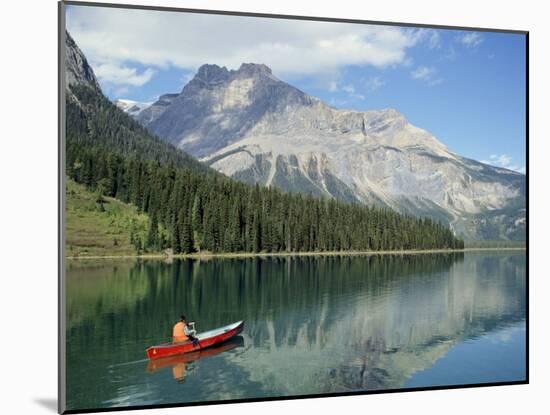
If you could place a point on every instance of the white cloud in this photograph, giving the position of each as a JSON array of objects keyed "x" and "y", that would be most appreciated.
[
  {"x": 162, "y": 39},
  {"x": 434, "y": 40},
  {"x": 422, "y": 72},
  {"x": 408, "y": 62},
  {"x": 350, "y": 89},
  {"x": 333, "y": 86},
  {"x": 501, "y": 160},
  {"x": 451, "y": 54},
  {"x": 355, "y": 92},
  {"x": 374, "y": 83},
  {"x": 121, "y": 91},
  {"x": 352, "y": 94},
  {"x": 505, "y": 161},
  {"x": 339, "y": 103},
  {"x": 122, "y": 75},
  {"x": 470, "y": 39},
  {"x": 426, "y": 74}
]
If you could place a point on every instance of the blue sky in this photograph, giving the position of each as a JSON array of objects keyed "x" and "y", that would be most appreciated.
[{"x": 466, "y": 88}]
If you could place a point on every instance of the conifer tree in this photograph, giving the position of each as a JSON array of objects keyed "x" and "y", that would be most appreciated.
[{"x": 192, "y": 208}]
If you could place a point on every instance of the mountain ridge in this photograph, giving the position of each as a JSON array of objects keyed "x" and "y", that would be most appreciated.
[
  {"x": 192, "y": 208},
  {"x": 89, "y": 114},
  {"x": 77, "y": 69},
  {"x": 252, "y": 126}
]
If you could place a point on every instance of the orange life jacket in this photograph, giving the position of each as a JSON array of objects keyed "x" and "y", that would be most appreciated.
[
  {"x": 178, "y": 372},
  {"x": 178, "y": 333}
]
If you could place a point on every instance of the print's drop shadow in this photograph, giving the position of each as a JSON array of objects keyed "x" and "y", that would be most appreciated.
[{"x": 48, "y": 403}]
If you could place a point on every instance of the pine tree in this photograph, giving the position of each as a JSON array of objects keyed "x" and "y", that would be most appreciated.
[
  {"x": 186, "y": 238},
  {"x": 192, "y": 208},
  {"x": 152, "y": 242}
]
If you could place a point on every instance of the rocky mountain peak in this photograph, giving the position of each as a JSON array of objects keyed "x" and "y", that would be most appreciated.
[
  {"x": 254, "y": 127},
  {"x": 254, "y": 70},
  {"x": 212, "y": 74}
]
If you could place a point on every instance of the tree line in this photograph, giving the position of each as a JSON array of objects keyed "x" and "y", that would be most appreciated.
[{"x": 193, "y": 209}]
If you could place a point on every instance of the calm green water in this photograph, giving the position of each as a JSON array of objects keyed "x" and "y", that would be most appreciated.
[{"x": 313, "y": 325}]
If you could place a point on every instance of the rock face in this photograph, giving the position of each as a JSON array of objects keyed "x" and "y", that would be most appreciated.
[
  {"x": 77, "y": 69},
  {"x": 153, "y": 111},
  {"x": 250, "y": 125}
]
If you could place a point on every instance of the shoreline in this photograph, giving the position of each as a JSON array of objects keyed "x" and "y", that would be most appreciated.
[{"x": 291, "y": 254}]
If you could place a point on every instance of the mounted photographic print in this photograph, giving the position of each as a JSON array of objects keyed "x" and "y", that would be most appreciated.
[{"x": 259, "y": 207}]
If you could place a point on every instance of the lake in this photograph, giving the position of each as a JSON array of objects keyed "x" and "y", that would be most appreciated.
[{"x": 313, "y": 325}]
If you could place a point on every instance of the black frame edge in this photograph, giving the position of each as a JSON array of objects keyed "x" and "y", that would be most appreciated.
[
  {"x": 295, "y": 397},
  {"x": 287, "y": 16}
]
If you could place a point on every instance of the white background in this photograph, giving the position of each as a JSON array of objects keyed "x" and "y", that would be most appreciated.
[{"x": 28, "y": 203}]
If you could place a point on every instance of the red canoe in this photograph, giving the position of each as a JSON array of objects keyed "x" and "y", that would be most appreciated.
[
  {"x": 171, "y": 361},
  {"x": 206, "y": 339}
]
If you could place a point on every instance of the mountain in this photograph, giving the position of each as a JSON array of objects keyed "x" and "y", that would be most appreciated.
[
  {"x": 152, "y": 112},
  {"x": 130, "y": 107},
  {"x": 193, "y": 208},
  {"x": 93, "y": 120},
  {"x": 251, "y": 126},
  {"x": 77, "y": 69}
]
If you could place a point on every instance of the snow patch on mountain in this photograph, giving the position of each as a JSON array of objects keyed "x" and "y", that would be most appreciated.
[{"x": 130, "y": 107}]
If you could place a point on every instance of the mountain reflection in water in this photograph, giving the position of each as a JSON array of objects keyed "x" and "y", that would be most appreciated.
[{"x": 313, "y": 324}]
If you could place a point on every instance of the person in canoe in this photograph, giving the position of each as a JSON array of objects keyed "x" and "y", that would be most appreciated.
[{"x": 182, "y": 332}]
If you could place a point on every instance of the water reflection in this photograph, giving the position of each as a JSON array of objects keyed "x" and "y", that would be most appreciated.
[
  {"x": 313, "y": 324},
  {"x": 179, "y": 363}
]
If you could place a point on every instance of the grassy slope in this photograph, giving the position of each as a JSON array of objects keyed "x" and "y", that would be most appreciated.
[{"x": 92, "y": 232}]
